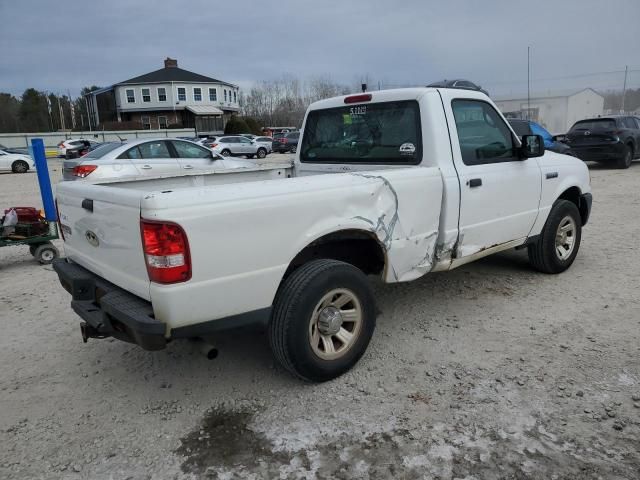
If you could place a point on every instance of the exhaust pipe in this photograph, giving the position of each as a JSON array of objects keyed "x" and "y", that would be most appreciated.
[{"x": 207, "y": 349}]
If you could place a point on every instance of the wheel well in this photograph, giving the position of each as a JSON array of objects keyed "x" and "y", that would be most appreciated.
[
  {"x": 359, "y": 248},
  {"x": 573, "y": 195}
]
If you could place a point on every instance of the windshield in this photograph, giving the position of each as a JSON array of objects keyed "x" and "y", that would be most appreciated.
[
  {"x": 386, "y": 132},
  {"x": 599, "y": 124},
  {"x": 102, "y": 150}
]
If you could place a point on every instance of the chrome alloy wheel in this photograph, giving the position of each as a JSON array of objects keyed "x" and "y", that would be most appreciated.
[
  {"x": 335, "y": 324},
  {"x": 566, "y": 237}
]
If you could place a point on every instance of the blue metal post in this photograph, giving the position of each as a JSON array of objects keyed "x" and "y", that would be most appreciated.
[{"x": 37, "y": 146}]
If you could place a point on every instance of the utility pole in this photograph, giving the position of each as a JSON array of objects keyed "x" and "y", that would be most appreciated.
[
  {"x": 528, "y": 82},
  {"x": 624, "y": 87}
]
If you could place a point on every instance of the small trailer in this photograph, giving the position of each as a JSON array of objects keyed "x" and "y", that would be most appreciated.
[{"x": 31, "y": 229}]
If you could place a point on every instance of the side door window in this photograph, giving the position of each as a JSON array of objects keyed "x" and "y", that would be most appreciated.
[
  {"x": 192, "y": 156},
  {"x": 152, "y": 158},
  {"x": 629, "y": 123},
  {"x": 246, "y": 144},
  {"x": 499, "y": 191},
  {"x": 483, "y": 135}
]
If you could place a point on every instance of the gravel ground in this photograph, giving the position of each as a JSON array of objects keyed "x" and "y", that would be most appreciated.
[{"x": 489, "y": 371}]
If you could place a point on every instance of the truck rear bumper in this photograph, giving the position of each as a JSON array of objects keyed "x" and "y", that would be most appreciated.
[{"x": 109, "y": 311}]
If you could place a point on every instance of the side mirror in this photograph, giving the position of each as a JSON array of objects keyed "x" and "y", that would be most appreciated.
[{"x": 532, "y": 146}]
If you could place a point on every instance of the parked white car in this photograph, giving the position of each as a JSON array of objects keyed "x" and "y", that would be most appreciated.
[
  {"x": 16, "y": 162},
  {"x": 71, "y": 143},
  {"x": 238, "y": 146},
  {"x": 148, "y": 157},
  {"x": 423, "y": 180}
]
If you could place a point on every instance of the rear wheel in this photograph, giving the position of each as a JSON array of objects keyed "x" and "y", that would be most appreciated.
[
  {"x": 19, "y": 166},
  {"x": 46, "y": 253},
  {"x": 261, "y": 153},
  {"x": 294, "y": 149},
  {"x": 558, "y": 244},
  {"x": 627, "y": 156},
  {"x": 323, "y": 319},
  {"x": 225, "y": 153}
]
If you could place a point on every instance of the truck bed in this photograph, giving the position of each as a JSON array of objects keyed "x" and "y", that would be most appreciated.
[{"x": 242, "y": 234}]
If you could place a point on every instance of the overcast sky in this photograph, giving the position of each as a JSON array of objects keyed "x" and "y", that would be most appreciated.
[{"x": 60, "y": 45}]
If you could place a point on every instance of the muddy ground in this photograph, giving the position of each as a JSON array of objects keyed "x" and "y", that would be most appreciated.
[{"x": 491, "y": 371}]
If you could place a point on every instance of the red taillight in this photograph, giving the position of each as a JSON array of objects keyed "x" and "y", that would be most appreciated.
[
  {"x": 365, "y": 97},
  {"x": 166, "y": 251},
  {"x": 59, "y": 222},
  {"x": 283, "y": 140},
  {"x": 60, "y": 145},
  {"x": 214, "y": 145},
  {"x": 83, "y": 170}
]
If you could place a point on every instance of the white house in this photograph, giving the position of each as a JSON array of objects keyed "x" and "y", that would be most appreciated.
[
  {"x": 169, "y": 96},
  {"x": 556, "y": 111}
]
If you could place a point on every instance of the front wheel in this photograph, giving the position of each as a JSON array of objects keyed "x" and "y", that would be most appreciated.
[
  {"x": 323, "y": 318},
  {"x": 558, "y": 244},
  {"x": 20, "y": 166}
]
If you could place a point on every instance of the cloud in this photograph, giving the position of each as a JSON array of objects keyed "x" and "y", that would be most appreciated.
[{"x": 60, "y": 46}]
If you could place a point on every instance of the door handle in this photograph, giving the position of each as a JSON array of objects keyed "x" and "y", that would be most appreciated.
[
  {"x": 146, "y": 167},
  {"x": 187, "y": 167},
  {"x": 475, "y": 182}
]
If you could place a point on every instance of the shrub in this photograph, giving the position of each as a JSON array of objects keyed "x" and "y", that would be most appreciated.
[
  {"x": 236, "y": 125},
  {"x": 254, "y": 126}
]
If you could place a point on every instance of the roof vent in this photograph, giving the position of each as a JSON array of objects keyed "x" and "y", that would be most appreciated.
[{"x": 170, "y": 63}]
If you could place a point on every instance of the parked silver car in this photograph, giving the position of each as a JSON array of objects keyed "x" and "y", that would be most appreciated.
[
  {"x": 267, "y": 142},
  {"x": 148, "y": 157},
  {"x": 238, "y": 146}
]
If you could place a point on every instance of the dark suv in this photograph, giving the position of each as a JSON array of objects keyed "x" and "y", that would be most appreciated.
[
  {"x": 613, "y": 138},
  {"x": 286, "y": 143}
]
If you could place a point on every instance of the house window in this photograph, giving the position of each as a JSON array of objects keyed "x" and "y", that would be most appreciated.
[
  {"x": 146, "y": 122},
  {"x": 162, "y": 94},
  {"x": 213, "y": 95},
  {"x": 182, "y": 94},
  {"x": 146, "y": 95},
  {"x": 197, "y": 94},
  {"x": 162, "y": 122},
  {"x": 235, "y": 97},
  {"x": 225, "y": 95},
  {"x": 131, "y": 96}
]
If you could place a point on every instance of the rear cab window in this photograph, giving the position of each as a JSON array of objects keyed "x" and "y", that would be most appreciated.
[
  {"x": 597, "y": 124},
  {"x": 373, "y": 133}
]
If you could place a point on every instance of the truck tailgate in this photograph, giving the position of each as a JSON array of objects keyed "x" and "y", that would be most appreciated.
[{"x": 102, "y": 233}]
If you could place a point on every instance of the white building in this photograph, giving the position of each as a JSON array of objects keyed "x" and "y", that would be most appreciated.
[
  {"x": 169, "y": 96},
  {"x": 556, "y": 111}
]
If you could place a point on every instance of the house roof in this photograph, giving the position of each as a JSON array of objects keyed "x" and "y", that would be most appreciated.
[
  {"x": 171, "y": 74},
  {"x": 542, "y": 94}
]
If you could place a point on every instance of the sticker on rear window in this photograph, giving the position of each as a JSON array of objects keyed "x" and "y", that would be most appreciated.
[{"x": 407, "y": 149}]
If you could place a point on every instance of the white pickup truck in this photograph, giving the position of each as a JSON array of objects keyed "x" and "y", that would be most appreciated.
[{"x": 396, "y": 183}]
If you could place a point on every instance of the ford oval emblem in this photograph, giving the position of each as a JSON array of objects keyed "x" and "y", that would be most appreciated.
[{"x": 92, "y": 238}]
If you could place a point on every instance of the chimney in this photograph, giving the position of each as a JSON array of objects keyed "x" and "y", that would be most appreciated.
[{"x": 170, "y": 63}]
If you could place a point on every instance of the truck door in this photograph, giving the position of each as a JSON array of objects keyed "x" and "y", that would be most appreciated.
[{"x": 499, "y": 191}]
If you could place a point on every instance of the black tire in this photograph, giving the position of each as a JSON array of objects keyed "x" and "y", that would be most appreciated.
[
  {"x": 627, "y": 157},
  {"x": 46, "y": 253},
  {"x": 261, "y": 153},
  {"x": 32, "y": 249},
  {"x": 249, "y": 156},
  {"x": 19, "y": 166},
  {"x": 226, "y": 153},
  {"x": 298, "y": 296},
  {"x": 294, "y": 149},
  {"x": 543, "y": 254}
]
